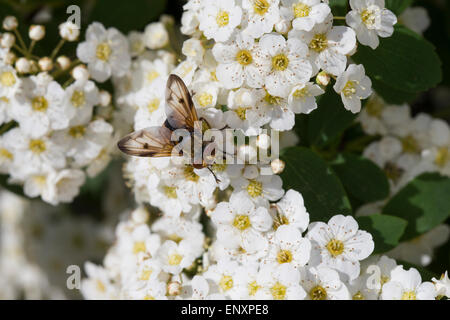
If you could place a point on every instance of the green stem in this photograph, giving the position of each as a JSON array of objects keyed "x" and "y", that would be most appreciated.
[
  {"x": 338, "y": 18},
  {"x": 57, "y": 48},
  {"x": 21, "y": 42},
  {"x": 60, "y": 73},
  {"x": 30, "y": 50}
]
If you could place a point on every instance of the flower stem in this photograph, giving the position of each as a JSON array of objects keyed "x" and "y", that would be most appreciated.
[{"x": 57, "y": 48}]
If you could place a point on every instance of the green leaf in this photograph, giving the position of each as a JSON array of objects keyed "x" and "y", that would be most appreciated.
[
  {"x": 405, "y": 62},
  {"x": 321, "y": 189},
  {"x": 362, "y": 178},
  {"x": 126, "y": 16},
  {"x": 338, "y": 7},
  {"x": 329, "y": 120},
  {"x": 391, "y": 95},
  {"x": 385, "y": 230},
  {"x": 398, "y": 6},
  {"x": 424, "y": 203}
]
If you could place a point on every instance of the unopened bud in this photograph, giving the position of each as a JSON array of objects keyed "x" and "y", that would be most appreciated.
[
  {"x": 247, "y": 154},
  {"x": 45, "y": 64},
  {"x": 23, "y": 65},
  {"x": 263, "y": 141},
  {"x": 69, "y": 31},
  {"x": 278, "y": 166},
  {"x": 323, "y": 78},
  {"x": 63, "y": 62},
  {"x": 80, "y": 73},
  {"x": 7, "y": 40},
  {"x": 36, "y": 32},
  {"x": 283, "y": 26},
  {"x": 10, "y": 23},
  {"x": 140, "y": 215},
  {"x": 9, "y": 58},
  {"x": 174, "y": 288},
  {"x": 105, "y": 98}
]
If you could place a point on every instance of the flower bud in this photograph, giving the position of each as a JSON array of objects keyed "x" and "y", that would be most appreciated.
[
  {"x": 323, "y": 78},
  {"x": 140, "y": 215},
  {"x": 36, "y": 32},
  {"x": 278, "y": 166},
  {"x": 10, "y": 23},
  {"x": 263, "y": 141},
  {"x": 105, "y": 98},
  {"x": 174, "y": 288},
  {"x": 63, "y": 62},
  {"x": 69, "y": 31},
  {"x": 23, "y": 65},
  {"x": 247, "y": 154},
  {"x": 80, "y": 73},
  {"x": 156, "y": 36},
  {"x": 167, "y": 19},
  {"x": 283, "y": 26},
  {"x": 7, "y": 40},
  {"x": 45, "y": 64}
]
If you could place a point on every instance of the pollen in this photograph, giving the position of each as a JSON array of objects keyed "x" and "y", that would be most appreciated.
[
  {"x": 301, "y": 10},
  {"x": 39, "y": 103},
  {"x": 255, "y": 188},
  {"x": 7, "y": 79},
  {"x": 318, "y": 293},
  {"x": 226, "y": 283},
  {"x": 280, "y": 62},
  {"x": 409, "y": 295},
  {"x": 205, "y": 99},
  {"x": 442, "y": 157},
  {"x": 319, "y": 43},
  {"x": 261, "y": 7},
  {"x": 219, "y": 167},
  {"x": 410, "y": 144},
  {"x": 241, "y": 222},
  {"x": 175, "y": 259},
  {"x": 253, "y": 287},
  {"x": 358, "y": 296},
  {"x": 190, "y": 175},
  {"x": 153, "y": 105},
  {"x": 100, "y": 286},
  {"x": 77, "y": 132},
  {"x": 103, "y": 51},
  {"x": 222, "y": 18},
  {"x": 244, "y": 57},
  {"x": 284, "y": 256},
  {"x": 170, "y": 192},
  {"x": 279, "y": 220},
  {"x": 5, "y": 154},
  {"x": 139, "y": 246},
  {"x": 37, "y": 146},
  {"x": 241, "y": 113},
  {"x": 272, "y": 100},
  {"x": 152, "y": 75},
  {"x": 78, "y": 99},
  {"x": 335, "y": 247},
  {"x": 278, "y": 291},
  {"x": 349, "y": 88},
  {"x": 301, "y": 93},
  {"x": 145, "y": 275},
  {"x": 368, "y": 17}
]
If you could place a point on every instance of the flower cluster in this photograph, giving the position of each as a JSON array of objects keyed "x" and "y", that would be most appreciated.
[{"x": 53, "y": 131}]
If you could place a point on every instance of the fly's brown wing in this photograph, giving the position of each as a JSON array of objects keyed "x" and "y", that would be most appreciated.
[
  {"x": 180, "y": 109},
  {"x": 149, "y": 142}
]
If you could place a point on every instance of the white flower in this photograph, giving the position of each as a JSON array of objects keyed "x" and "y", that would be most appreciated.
[
  {"x": 288, "y": 246},
  {"x": 136, "y": 43},
  {"x": 224, "y": 277},
  {"x": 7, "y": 151},
  {"x": 193, "y": 48},
  {"x": 175, "y": 257},
  {"x": 302, "y": 98},
  {"x": 339, "y": 244},
  {"x": 291, "y": 211},
  {"x": 238, "y": 62},
  {"x": 416, "y": 19},
  {"x": 442, "y": 285},
  {"x": 328, "y": 45},
  {"x": 286, "y": 64},
  {"x": 206, "y": 94},
  {"x": 150, "y": 290},
  {"x": 323, "y": 283},
  {"x": 105, "y": 51},
  {"x": 370, "y": 20},
  {"x": 138, "y": 243},
  {"x": 155, "y": 36},
  {"x": 150, "y": 102},
  {"x": 407, "y": 285},
  {"x": 98, "y": 285},
  {"x": 240, "y": 224},
  {"x": 353, "y": 85},
  {"x": 305, "y": 14},
  {"x": 280, "y": 283},
  {"x": 81, "y": 97},
  {"x": 261, "y": 16},
  {"x": 35, "y": 155},
  {"x": 260, "y": 189},
  {"x": 84, "y": 142},
  {"x": 379, "y": 269},
  {"x": 9, "y": 82},
  {"x": 39, "y": 107},
  {"x": 150, "y": 73},
  {"x": 219, "y": 19}
]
